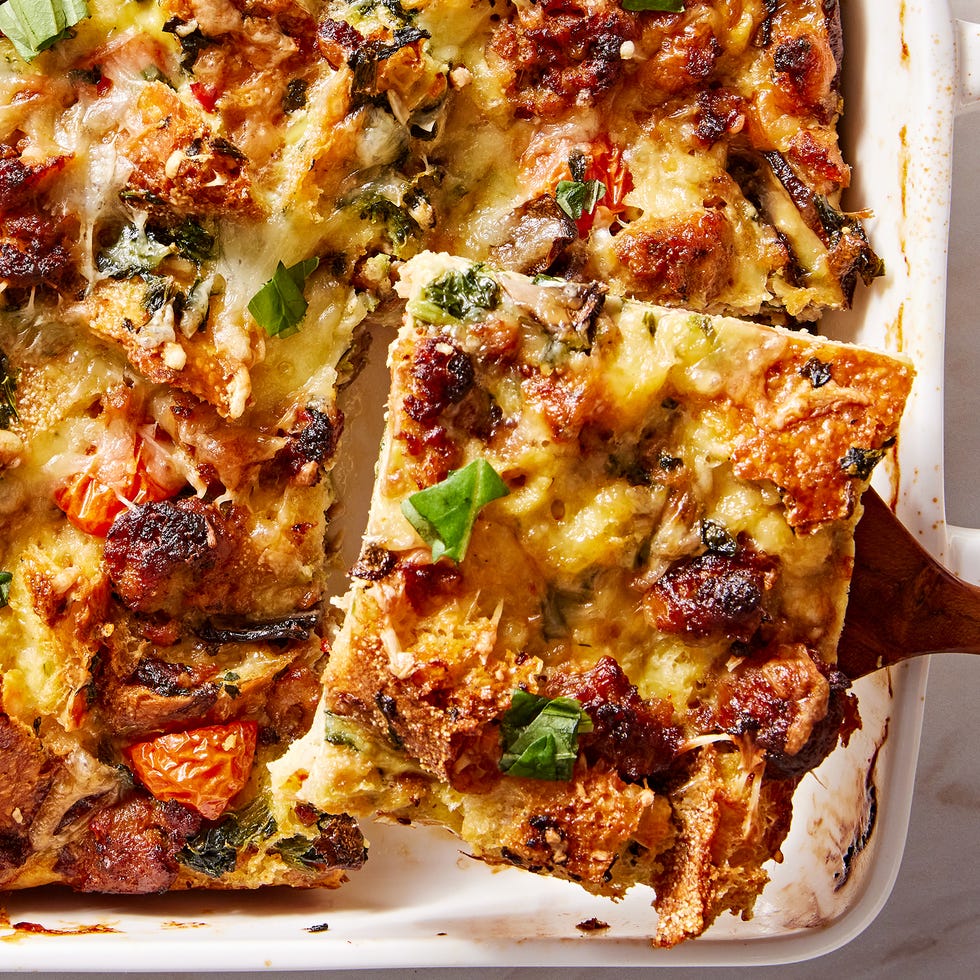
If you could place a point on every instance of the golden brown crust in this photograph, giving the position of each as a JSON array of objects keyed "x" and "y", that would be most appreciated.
[{"x": 813, "y": 454}]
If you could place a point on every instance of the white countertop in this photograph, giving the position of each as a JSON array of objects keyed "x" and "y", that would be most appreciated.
[{"x": 931, "y": 924}]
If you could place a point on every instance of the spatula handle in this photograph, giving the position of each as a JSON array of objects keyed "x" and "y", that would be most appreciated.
[{"x": 902, "y": 603}]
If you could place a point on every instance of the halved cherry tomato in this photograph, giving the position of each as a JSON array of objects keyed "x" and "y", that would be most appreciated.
[
  {"x": 203, "y": 768},
  {"x": 92, "y": 505}
]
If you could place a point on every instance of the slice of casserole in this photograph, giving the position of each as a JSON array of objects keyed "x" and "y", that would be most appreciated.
[
  {"x": 593, "y": 624},
  {"x": 173, "y": 324}
]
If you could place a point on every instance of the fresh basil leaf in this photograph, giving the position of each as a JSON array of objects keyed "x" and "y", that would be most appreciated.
[
  {"x": 577, "y": 197},
  {"x": 8, "y": 406},
  {"x": 457, "y": 296},
  {"x": 444, "y": 514},
  {"x": 279, "y": 305},
  {"x": 34, "y": 25},
  {"x": 540, "y": 736},
  {"x": 5, "y": 579},
  {"x": 668, "y": 6}
]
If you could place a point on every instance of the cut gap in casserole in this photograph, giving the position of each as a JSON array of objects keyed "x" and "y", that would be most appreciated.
[{"x": 623, "y": 661}]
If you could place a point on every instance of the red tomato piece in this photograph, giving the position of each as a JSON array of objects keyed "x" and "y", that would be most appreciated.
[
  {"x": 606, "y": 164},
  {"x": 206, "y": 95},
  {"x": 92, "y": 505},
  {"x": 203, "y": 768}
]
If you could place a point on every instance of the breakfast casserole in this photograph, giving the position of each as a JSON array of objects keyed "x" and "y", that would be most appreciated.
[{"x": 207, "y": 210}]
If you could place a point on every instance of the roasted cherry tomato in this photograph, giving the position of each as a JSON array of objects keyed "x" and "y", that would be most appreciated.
[
  {"x": 203, "y": 768},
  {"x": 92, "y": 505}
]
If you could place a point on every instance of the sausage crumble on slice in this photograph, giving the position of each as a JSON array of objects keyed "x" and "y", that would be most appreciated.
[
  {"x": 159, "y": 552},
  {"x": 130, "y": 848}
]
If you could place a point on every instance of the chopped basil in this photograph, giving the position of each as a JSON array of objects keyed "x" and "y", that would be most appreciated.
[
  {"x": 716, "y": 539},
  {"x": 294, "y": 98},
  {"x": 5, "y": 579},
  {"x": 444, "y": 514},
  {"x": 191, "y": 240},
  {"x": 337, "y": 843},
  {"x": 540, "y": 736},
  {"x": 8, "y": 406},
  {"x": 140, "y": 249},
  {"x": 668, "y": 6},
  {"x": 860, "y": 462},
  {"x": 279, "y": 305},
  {"x": 336, "y": 731},
  {"x": 191, "y": 39},
  {"x": 160, "y": 292},
  {"x": 34, "y": 25},
  {"x": 300, "y": 852},
  {"x": 398, "y": 15},
  {"x": 457, "y": 296},
  {"x": 578, "y": 197},
  {"x": 398, "y": 224}
]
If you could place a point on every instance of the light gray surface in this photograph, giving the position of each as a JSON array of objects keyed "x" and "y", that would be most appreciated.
[{"x": 931, "y": 925}]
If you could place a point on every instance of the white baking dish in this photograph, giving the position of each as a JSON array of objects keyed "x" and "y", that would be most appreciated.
[{"x": 419, "y": 901}]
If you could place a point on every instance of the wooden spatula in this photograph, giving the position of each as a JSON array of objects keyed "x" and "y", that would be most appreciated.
[{"x": 903, "y": 603}]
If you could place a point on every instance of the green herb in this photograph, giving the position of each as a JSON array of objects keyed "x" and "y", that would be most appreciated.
[
  {"x": 279, "y": 305},
  {"x": 191, "y": 240},
  {"x": 160, "y": 291},
  {"x": 717, "y": 539},
  {"x": 300, "y": 852},
  {"x": 153, "y": 74},
  {"x": 668, "y": 6},
  {"x": 228, "y": 683},
  {"x": 540, "y": 736},
  {"x": 704, "y": 324},
  {"x": 192, "y": 42},
  {"x": 578, "y": 197},
  {"x": 397, "y": 13},
  {"x": 399, "y": 225},
  {"x": 136, "y": 250},
  {"x": 559, "y": 606},
  {"x": 444, "y": 514},
  {"x": 457, "y": 296},
  {"x": 860, "y": 462},
  {"x": 8, "y": 406},
  {"x": 214, "y": 851},
  {"x": 34, "y": 25},
  {"x": 294, "y": 98},
  {"x": 336, "y": 732},
  {"x": 5, "y": 579},
  {"x": 816, "y": 372}
]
